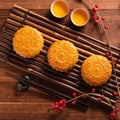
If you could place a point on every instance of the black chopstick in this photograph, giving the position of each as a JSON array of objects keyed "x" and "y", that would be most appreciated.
[{"x": 47, "y": 90}]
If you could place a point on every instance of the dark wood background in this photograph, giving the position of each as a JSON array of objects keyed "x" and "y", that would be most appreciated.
[{"x": 34, "y": 104}]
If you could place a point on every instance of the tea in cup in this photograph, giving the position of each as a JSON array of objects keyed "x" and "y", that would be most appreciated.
[
  {"x": 79, "y": 17},
  {"x": 59, "y": 8}
]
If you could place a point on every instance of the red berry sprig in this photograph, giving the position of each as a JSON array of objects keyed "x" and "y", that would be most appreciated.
[
  {"x": 60, "y": 105},
  {"x": 96, "y": 17},
  {"x": 57, "y": 106}
]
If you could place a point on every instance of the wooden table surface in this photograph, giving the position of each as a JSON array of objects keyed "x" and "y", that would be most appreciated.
[{"x": 34, "y": 104}]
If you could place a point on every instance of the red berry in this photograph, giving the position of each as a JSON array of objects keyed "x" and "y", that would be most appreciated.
[
  {"x": 113, "y": 115},
  {"x": 106, "y": 27},
  {"x": 55, "y": 110},
  {"x": 95, "y": 9},
  {"x": 115, "y": 93},
  {"x": 99, "y": 98},
  {"x": 92, "y": 13},
  {"x": 60, "y": 108},
  {"x": 93, "y": 16},
  {"x": 56, "y": 106},
  {"x": 73, "y": 102},
  {"x": 60, "y": 102},
  {"x": 117, "y": 109},
  {"x": 93, "y": 90},
  {"x": 107, "y": 54},
  {"x": 114, "y": 59},
  {"x": 63, "y": 100},
  {"x": 96, "y": 5},
  {"x": 74, "y": 94},
  {"x": 51, "y": 104},
  {"x": 96, "y": 21},
  {"x": 56, "y": 103},
  {"x": 103, "y": 18},
  {"x": 64, "y": 105}
]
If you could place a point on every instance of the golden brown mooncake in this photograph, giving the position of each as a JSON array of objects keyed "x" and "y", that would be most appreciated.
[
  {"x": 28, "y": 42},
  {"x": 62, "y": 55},
  {"x": 96, "y": 70}
]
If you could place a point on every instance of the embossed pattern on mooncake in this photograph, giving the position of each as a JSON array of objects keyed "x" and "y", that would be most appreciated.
[
  {"x": 96, "y": 70},
  {"x": 28, "y": 42},
  {"x": 62, "y": 55}
]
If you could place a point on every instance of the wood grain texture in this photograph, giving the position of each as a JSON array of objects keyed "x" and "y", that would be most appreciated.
[{"x": 34, "y": 104}]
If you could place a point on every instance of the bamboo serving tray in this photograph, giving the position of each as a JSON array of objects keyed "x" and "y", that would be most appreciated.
[{"x": 64, "y": 83}]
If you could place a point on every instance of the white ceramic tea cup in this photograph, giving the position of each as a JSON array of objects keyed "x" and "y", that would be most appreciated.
[
  {"x": 59, "y": 8},
  {"x": 79, "y": 17}
]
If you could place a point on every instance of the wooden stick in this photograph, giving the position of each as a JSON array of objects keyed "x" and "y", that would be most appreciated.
[
  {"x": 13, "y": 22},
  {"x": 16, "y": 18}
]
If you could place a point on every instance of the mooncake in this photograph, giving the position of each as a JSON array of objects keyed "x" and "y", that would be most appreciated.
[
  {"x": 62, "y": 55},
  {"x": 96, "y": 70},
  {"x": 28, "y": 42}
]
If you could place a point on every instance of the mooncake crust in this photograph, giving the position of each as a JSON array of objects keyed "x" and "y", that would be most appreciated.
[
  {"x": 62, "y": 55},
  {"x": 96, "y": 70},
  {"x": 28, "y": 42}
]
